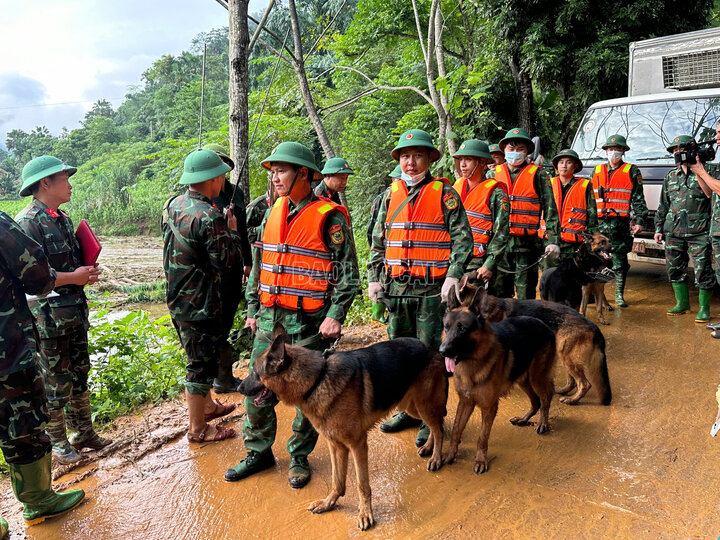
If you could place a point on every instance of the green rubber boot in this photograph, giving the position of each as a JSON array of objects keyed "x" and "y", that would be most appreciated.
[
  {"x": 79, "y": 423},
  {"x": 253, "y": 463},
  {"x": 620, "y": 290},
  {"x": 378, "y": 312},
  {"x": 399, "y": 422},
  {"x": 4, "y": 528},
  {"x": 682, "y": 297},
  {"x": 703, "y": 314},
  {"x": 422, "y": 436},
  {"x": 32, "y": 486},
  {"x": 300, "y": 472}
]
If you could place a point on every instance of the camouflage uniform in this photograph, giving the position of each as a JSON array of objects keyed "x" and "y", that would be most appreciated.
[
  {"x": 195, "y": 255},
  {"x": 255, "y": 213},
  {"x": 713, "y": 169},
  {"x": 321, "y": 190},
  {"x": 23, "y": 414}
]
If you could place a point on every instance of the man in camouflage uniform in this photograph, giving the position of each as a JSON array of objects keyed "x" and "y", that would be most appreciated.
[
  {"x": 200, "y": 243},
  {"x": 256, "y": 210},
  {"x": 415, "y": 302},
  {"x": 335, "y": 178},
  {"x": 683, "y": 215},
  {"x": 23, "y": 415},
  {"x": 270, "y": 302},
  {"x": 519, "y": 266},
  {"x": 497, "y": 155},
  {"x": 617, "y": 227},
  {"x": 232, "y": 277},
  {"x": 62, "y": 320}
]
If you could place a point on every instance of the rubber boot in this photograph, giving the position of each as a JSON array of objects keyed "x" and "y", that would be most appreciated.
[
  {"x": 226, "y": 382},
  {"x": 703, "y": 314},
  {"x": 300, "y": 472},
  {"x": 62, "y": 450},
  {"x": 682, "y": 297},
  {"x": 422, "y": 435},
  {"x": 253, "y": 463},
  {"x": 79, "y": 420},
  {"x": 620, "y": 289},
  {"x": 399, "y": 422},
  {"x": 378, "y": 313},
  {"x": 32, "y": 487},
  {"x": 4, "y": 528}
]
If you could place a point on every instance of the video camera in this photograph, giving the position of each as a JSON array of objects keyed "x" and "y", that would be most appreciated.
[{"x": 689, "y": 152}]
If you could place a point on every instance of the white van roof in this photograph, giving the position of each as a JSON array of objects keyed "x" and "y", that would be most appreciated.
[{"x": 665, "y": 96}]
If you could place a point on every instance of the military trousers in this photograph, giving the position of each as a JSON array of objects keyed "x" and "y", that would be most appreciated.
[
  {"x": 23, "y": 416},
  {"x": 715, "y": 241},
  {"x": 678, "y": 252},
  {"x": 203, "y": 343},
  {"x": 518, "y": 273},
  {"x": 618, "y": 232},
  {"x": 64, "y": 365},
  {"x": 260, "y": 426},
  {"x": 420, "y": 318}
]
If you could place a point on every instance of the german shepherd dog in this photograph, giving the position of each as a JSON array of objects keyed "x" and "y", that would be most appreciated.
[
  {"x": 487, "y": 360},
  {"x": 347, "y": 393},
  {"x": 596, "y": 289},
  {"x": 579, "y": 343},
  {"x": 564, "y": 284}
]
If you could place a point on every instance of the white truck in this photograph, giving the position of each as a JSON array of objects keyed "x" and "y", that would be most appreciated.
[{"x": 673, "y": 89}]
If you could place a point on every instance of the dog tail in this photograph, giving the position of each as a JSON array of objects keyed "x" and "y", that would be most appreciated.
[{"x": 601, "y": 374}]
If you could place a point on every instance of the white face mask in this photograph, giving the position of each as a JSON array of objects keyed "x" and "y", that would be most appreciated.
[
  {"x": 614, "y": 155},
  {"x": 412, "y": 180},
  {"x": 515, "y": 158}
]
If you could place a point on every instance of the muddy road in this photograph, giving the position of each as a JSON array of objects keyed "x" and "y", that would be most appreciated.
[{"x": 644, "y": 467}]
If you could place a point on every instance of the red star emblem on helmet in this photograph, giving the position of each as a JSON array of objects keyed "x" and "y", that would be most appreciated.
[
  {"x": 516, "y": 131},
  {"x": 408, "y": 136},
  {"x": 613, "y": 139}
]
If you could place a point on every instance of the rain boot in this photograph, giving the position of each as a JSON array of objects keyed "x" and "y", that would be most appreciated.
[
  {"x": 682, "y": 297},
  {"x": 703, "y": 314},
  {"x": 62, "y": 450},
  {"x": 300, "y": 472},
  {"x": 378, "y": 312},
  {"x": 422, "y": 435},
  {"x": 253, "y": 463},
  {"x": 225, "y": 381},
  {"x": 4, "y": 528},
  {"x": 620, "y": 289},
  {"x": 399, "y": 422},
  {"x": 32, "y": 487},
  {"x": 79, "y": 420}
]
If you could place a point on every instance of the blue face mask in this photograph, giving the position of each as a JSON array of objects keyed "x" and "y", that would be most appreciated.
[
  {"x": 515, "y": 158},
  {"x": 412, "y": 180}
]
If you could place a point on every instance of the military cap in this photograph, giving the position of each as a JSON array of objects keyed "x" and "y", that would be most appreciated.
[
  {"x": 680, "y": 140},
  {"x": 517, "y": 134},
  {"x": 295, "y": 154},
  {"x": 337, "y": 165},
  {"x": 397, "y": 172},
  {"x": 473, "y": 148},
  {"x": 415, "y": 137},
  {"x": 495, "y": 148},
  {"x": 41, "y": 167},
  {"x": 616, "y": 140},
  {"x": 220, "y": 151},
  {"x": 201, "y": 166},
  {"x": 568, "y": 153}
]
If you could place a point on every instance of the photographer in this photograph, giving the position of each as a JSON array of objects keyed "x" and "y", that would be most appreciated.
[{"x": 684, "y": 216}]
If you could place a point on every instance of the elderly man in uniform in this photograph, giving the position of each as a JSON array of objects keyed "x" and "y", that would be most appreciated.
[
  {"x": 618, "y": 189},
  {"x": 422, "y": 243},
  {"x": 25, "y": 445},
  {"x": 305, "y": 276},
  {"x": 200, "y": 243},
  {"x": 62, "y": 320},
  {"x": 335, "y": 179},
  {"x": 683, "y": 215}
]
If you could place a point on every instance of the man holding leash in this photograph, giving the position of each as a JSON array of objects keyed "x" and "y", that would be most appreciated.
[
  {"x": 305, "y": 276},
  {"x": 422, "y": 243}
]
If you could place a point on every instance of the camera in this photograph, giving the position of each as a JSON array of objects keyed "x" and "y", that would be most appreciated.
[{"x": 690, "y": 151}]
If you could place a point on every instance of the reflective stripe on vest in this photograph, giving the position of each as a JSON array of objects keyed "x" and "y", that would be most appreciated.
[
  {"x": 524, "y": 200},
  {"x": 477, "y": 208},
  {"x": 296, "y": 264},
  {"x": 612, "y": 195},
  {"x": 572, "y": 210},
  {"x": 417, "y": 242}
]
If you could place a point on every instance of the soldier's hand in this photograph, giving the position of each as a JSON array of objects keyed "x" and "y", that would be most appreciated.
[
  {"x": 374, "y": 288},
  {"x": 484, "y": 274},
  {"x": 246, "y": 273},
  {"x": 658, "y": 237},
  {"x": 230, "y": 218},
  {"x": 84, "y": 275},
  {"x": 251, "y": 324},
  {"x": 697, "y": 168},
  {"x": 636, "y": 229},
  {"x": 330, "y": 328}
]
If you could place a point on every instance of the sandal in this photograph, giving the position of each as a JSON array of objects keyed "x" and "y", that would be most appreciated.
[
  {"x": 221, "y": 409},
  {"x": 221, "y": 433}
]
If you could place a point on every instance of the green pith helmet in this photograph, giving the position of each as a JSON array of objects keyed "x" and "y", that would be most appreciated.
[
  {"x": 337, "y": 165},
  {"x": 397, "y": 172},
  {"x": 616, "y": 140},
  {"x": 473, "y": 148},
  {"x": 571, "y": 154},
  {"x": 41, "y": 167},
  {"x": 495, "y": 148},
  {"x": 517, "y": 134},
  {"x": 220, "y": 151},
  {"x": 415, "y": 137},
  {"x": 680, "y": 140},
  {"x": 201, "y": 166},
  {"x": 295, "y": 154}
]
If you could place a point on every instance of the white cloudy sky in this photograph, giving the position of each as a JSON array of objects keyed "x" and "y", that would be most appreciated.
[{"x": 57, "y": 57}]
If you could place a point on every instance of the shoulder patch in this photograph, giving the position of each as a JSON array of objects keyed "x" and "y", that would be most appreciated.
[
  {"x": 506, "y": 205},
  {"x": 450, "y": 201},
  {"x": 337, "y": 236}
]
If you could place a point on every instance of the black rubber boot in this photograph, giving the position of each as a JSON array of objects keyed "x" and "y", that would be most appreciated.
[{"x": 253, "y": 463}]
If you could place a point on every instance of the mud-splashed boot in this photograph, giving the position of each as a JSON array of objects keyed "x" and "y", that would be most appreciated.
[
  {"x": 79, "y": 420},
  {"x": 62, "y": 451},
  {"x": 422, "y": 435},
  {"x": 32, "y": 487},
  {"x": 399, "y": 422},
  {"x": 226, "y": 382},
  {"x": 703, "y": 314},
  {"x": 682, "y": 300},
  {"x": 4, "y": 528},
  {"x": 620, "y": 289}
]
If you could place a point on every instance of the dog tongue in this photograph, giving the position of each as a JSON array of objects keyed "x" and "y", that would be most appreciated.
[{"x": 450, "y": 364}]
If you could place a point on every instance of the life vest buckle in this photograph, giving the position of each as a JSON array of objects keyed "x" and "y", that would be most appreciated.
[
  {"x": 282, "y": 248},
  {"x": 408, "y": 226},
  {"x": 407, "y": 243},
  {"x": 274, "y": 289},
  {"x": 278, "y": 268}
]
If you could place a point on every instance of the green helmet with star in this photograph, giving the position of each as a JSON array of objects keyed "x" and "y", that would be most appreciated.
[
  {"x": 517, "y": 134},
  {"x": 568, "y": 153},
  {"x": 396, "y": 173},
  {"x": 473, "y": 148},
  {"x": 337, "y": 165},
  {"x": 294, "y": 153},
  {"x": 680, "y": 140},
  {"x": 415, "y": 137},
  {"x": 616, "y": 140},
  {"x": 495, "y": 148},
  {"x": 201, "y": 166},
  {"x": 41, "y": 167}
]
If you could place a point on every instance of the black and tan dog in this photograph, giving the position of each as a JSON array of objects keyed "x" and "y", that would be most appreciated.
[
  {"x": 579, "y": 343},
  {"x": 487, "y": 360},
  {"x": 347, "y": 393}
]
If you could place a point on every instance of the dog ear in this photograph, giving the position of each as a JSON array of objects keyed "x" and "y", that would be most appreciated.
[
  {"x": 467, "y": 292},
  {"x": 479, "y": 303},
  {"x": 276, "y": 359},
  {"x": 452, "y": 302},
  {"x": 278, "y": 330}
]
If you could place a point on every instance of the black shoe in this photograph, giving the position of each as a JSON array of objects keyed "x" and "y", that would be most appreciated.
[
  {"x": 253, "y": 463},
  {"x": 226, "y": 387},
  {"x": 399, "y": 422},
  {"x": 300, "y": 472},
  {"x": 422, "y": 436}
]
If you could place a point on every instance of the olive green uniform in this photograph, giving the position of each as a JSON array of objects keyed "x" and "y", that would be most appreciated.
[
  {"x": 322, "y": 190},
  {"x": 713, "y": 169},
  {"x": 255, "y": 214}
]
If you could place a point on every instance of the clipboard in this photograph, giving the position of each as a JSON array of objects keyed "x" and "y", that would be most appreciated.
[{"x": 89, "y": 244}]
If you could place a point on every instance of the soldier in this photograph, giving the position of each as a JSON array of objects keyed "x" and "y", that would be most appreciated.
[
  {"x": 422, "y": 242},
  {"x": 497, "y": 155},
  {"x": 487, "y": 206},
  {"x": 23, "y": 414},
  {"x": 530, "y": 196},
  {"x": 199, "y": 244},
  {"x": 305, "y": 276},
  {"x": 618, "y": 188},
  {"x": 231, "y": 278},
  {"x": 256, "y": 210},
  {"x": 683, "y": 214},
  {"x": 62, "y": 320},
  {"x": 334, "y": 182}
]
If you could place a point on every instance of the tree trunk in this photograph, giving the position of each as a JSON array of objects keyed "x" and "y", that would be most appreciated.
[
  {"x": 524, "y": 92},
  {"x": 238, "y": 127}
]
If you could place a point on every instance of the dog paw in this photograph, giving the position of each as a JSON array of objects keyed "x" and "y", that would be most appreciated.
[
  {"x": 604, "y": 322},
  {"x": 480, "y": 467},
  {"x": 449, "y": 458},
  {"x": 425, "y": 450},
  {"x": 434, "y": 464},
  {"x": 542, "y": 427},
  {"x": 320, "y": 506},
  {"x": 365, "y": 520},
  {"x": 568, "y": 401},
  {"x": 519, "y": 421}
]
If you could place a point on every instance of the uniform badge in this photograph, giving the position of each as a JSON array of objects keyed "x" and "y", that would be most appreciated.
[
  {"x": 336, "y": 234},
  {"x": 52, "y": 213},
  {"x": 506, "y": 205},
  {"x": 450, "y": 201},
  {"x": 409, "y": 136},
  {"x": 515, "y": 131}
]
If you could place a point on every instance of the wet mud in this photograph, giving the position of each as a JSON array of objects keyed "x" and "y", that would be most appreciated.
[{"x": 644, "y": 467}]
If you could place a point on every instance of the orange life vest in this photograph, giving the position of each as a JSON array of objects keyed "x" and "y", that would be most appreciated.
[
  {"x": 572, "y": 210},
  {"x": 296, "y": 268},
  {"x": 477, "y": 207},
  {"x": 525, "y": 207},
  {"x": 416, "y": 241},
  {"x": 612, "y": 195}
]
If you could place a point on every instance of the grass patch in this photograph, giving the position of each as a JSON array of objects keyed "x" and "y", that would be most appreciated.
[{"x": 153, "y": 291}]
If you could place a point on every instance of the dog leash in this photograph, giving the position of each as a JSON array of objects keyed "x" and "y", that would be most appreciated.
[
  {"x": 332, "y": 348},
  {"x": 520, "y": 270}
]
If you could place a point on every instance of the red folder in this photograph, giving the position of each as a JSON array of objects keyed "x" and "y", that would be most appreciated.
[{"x": 89, "y": 243}]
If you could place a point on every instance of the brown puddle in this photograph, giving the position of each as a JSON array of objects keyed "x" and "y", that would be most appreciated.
[{"x": 645, "y": 467}]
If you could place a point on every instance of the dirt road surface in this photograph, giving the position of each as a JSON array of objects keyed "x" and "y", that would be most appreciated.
[{"x": 644, "y": 467}]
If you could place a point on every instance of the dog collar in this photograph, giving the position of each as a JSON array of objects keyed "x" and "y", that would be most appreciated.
[{"x": 320, "y": 377}]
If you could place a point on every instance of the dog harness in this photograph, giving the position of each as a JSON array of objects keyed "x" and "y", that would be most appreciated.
[
  {"x": 524, "y": 200},
  {"x": 572, "y": 210},
  {"x": 477, "y": 207},
  {"x": 612, "y": 195}
]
